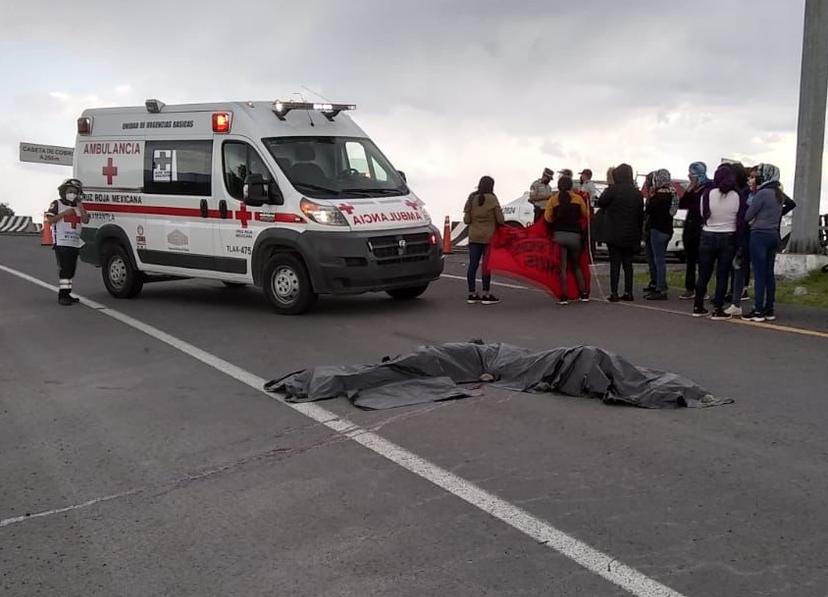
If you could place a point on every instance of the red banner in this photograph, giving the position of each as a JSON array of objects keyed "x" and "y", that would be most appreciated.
[{"x": 531, "y": 254}]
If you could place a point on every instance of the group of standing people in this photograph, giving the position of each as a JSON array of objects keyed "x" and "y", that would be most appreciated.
[
  {"x": 732, "y": 223},
  {"x": 732, "y": 226}
]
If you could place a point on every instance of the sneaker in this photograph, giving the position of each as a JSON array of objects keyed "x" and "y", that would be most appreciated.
[
  {"x": 754, "y": 316},
  {"x": 688, "y": 296},
  {"x": 648, "y": 289},
  {"x": 584, "y": 297},
  {"x": 700, "y": 312},
  {"x": 489, "y": 299},
  {"x": 656, "y": 296},
  {"x": 65, "y": 300},
  {"x": 734, "y": 311},
  {"x": 720, "y": 314},
  {"x": 614, "y": 298},
  {"x": 473, "y": 299},
  {"x": 628, "y": 298},
  {"x": 770, "y": 315},
  {"x": 563, "y": 301}
]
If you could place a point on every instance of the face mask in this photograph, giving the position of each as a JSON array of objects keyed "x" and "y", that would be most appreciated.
[{"x": 71, "y": 197}]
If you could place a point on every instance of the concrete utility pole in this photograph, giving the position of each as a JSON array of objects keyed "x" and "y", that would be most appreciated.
[{"x": 810, "y": 136}]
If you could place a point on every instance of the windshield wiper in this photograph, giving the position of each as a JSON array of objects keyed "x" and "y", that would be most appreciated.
[
  {"x": 375, "y": 191},
  {"x": 316, "y": 187}
]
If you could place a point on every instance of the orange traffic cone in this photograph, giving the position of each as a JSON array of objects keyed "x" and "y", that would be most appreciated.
[
  {"x": 46, "y": 238},
  {"x": 447, "y": 248}
]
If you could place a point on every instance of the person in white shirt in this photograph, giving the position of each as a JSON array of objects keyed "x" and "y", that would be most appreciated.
[
  {"x": 722, "y": 210},
  {"x": 67, "y": 216},
  {"x": 587, "y": 186}
]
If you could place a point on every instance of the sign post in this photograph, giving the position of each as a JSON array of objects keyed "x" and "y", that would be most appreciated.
[{"x": 53, "y": 155}]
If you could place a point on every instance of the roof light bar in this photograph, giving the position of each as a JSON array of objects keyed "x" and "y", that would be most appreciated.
[
  {"x": 329, "y": 111},
  {"x": 154, "y": 106}
]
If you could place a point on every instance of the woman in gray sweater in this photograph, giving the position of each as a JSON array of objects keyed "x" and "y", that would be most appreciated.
[{"x": 764, "y": 216}]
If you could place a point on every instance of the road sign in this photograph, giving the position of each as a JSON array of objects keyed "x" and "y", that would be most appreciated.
[{"x": 46, "y": 154}]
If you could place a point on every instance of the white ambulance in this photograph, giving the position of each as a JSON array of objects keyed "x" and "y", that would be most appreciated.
[{"x": 290, "y": 196}]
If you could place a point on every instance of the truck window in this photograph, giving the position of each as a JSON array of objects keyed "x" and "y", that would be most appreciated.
[
  {"x": 178, "y": 167},
  {"x": 240, "y": 159}
]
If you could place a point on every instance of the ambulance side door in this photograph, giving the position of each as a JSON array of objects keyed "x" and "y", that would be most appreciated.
[
  {"x": 181, "y": 210},
  {"x": 240, "y": 223}
]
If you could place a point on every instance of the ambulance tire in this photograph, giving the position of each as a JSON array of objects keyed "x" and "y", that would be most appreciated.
[
  {"x": 121, "y": 279},
  {"x": 286, "y": 284},
  {"x": 407, "y": 294}
]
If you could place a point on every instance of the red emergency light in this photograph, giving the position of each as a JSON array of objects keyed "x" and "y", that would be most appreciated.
[
  {"x": 221, "y": 122},
  {"x": 84, "y": 125}
]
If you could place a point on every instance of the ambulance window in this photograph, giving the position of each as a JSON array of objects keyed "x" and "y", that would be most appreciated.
[
  {"x": 379, "y": 173},
  {"x": 240, "y": 159},
  {"x": 357, "y": 159},
  {"x": 178, "y": 167}
]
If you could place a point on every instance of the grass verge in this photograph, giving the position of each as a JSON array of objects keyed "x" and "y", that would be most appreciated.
[{"x": 815, "y": 284}]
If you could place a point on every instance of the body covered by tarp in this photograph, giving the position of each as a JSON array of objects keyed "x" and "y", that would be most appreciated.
[{"x": 449, "y": 371}]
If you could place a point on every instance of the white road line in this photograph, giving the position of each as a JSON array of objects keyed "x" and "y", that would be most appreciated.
[
  {"x": 539, "y": 530},
  {"x": 9, "y": 521},
  {"x": 503, "y": 284}
]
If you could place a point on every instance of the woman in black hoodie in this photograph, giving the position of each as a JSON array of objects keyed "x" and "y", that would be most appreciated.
[
  {"x": 623, "y": 207},
  {"x": 661, "y": 207}
]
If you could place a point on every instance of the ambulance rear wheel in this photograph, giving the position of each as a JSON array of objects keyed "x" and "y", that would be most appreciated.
[
  {"x": 407, "y": 294},
  {"x": 287, "y": 285},
  {"x": 120, "y": 278}
]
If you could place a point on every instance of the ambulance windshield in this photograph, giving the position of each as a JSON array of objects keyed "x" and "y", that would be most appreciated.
[{"x": 341, "y": 167}]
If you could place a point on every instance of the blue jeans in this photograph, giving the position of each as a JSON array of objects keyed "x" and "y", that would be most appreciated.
[
  {"x": 658, "y": 245},
  {"x": 718, "y": 248},
  {"x": 476, "y": 253},
  {"x": 741, "y": 274},
  {"x": 648, "y": 251},
  {"x": 763, "y": 246}
]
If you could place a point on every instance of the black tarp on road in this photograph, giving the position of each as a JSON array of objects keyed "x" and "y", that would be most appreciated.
[{"x": 455, "y": 370}]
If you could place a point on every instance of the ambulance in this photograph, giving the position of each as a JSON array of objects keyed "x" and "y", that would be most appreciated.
[{"x": 292, "y": 197}]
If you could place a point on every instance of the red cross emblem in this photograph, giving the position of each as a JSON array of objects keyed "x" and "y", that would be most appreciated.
[
  {"x": 346, "y": 207},
  {"x": 243, "y": 215},
  {"x": 109, "y": 171},
  {"x": 73, "y": 219},
  {"x": 413, "y": 205}
]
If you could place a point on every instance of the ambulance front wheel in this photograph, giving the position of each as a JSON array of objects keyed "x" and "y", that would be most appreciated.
[
  {"x": 120, "y": 278},
  {"x": 287, "y": 285},
  {"x": 407, "y": 294}
]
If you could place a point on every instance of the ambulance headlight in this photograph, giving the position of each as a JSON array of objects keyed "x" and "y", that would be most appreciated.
[{"x": 323, "y": 214}]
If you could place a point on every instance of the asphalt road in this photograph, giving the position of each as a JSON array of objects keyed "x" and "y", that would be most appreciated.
[{"x": 184, "y": 481}]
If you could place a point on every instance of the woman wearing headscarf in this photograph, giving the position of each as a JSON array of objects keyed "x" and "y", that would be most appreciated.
[
  {"x": 723, "y": 211},
  {"x": 691, "y": 234},
  {"x": 623, "y": 209},
  {"x": 661, "y": 207},
  {"x": 740, "y": 276},
  {"x": 764, "y": 216},
  {"x": 483, "y": 215},
  {"x": 565, "y": 221}
]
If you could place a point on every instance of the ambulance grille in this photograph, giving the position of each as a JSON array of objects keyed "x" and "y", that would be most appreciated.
[{"x": 400, "y": 248}]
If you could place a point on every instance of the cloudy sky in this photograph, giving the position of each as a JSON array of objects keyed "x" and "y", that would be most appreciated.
[{"x": 449, "y": 90}]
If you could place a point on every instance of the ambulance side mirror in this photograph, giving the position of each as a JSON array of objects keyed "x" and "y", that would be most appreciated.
[
  {"x": 254, "y": 192},
  {"x": 402, "y": 175}
]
